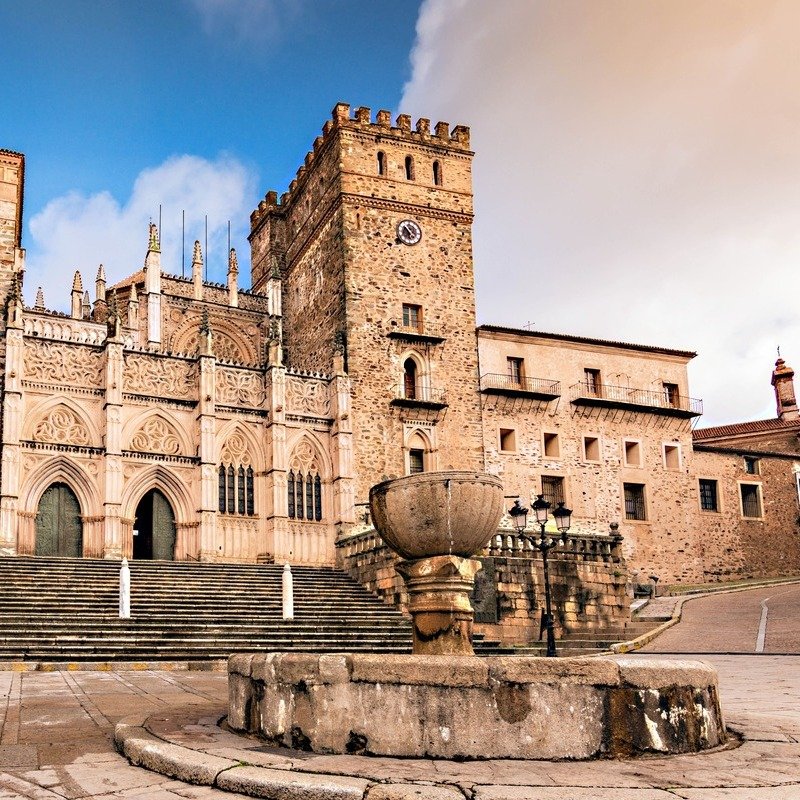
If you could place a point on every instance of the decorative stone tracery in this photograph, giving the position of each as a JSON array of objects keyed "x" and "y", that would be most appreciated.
[
  {"x": 156, "y": 436},
  {"x": 236, "y": 387},
  {"x": 61, "y": 425},
  {"x": 159, "y": 377},
  {"x": 307, "y": 397},
  {"x": 59, "y": 364}
]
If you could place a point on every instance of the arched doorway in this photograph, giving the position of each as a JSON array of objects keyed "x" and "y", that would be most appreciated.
[
  {"x": 154, "y": 528},
  {"x": 59, "y": 529}
]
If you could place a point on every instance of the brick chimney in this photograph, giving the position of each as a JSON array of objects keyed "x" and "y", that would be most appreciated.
[{"x": 782, "y": 380}]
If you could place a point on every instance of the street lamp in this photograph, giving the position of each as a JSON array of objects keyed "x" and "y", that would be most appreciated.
[{"x": 562, "y": 516}]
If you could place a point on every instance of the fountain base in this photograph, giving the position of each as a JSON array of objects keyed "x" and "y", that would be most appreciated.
[{"x": 467, "y": 707}]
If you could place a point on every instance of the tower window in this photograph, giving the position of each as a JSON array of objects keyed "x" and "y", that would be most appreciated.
[
  {"x": 591, "y": 448},
  {"x": 381, "y": 162},
  {"x": 409, "y": 168},
  {"x": 437, "y": 173},
  {"x": 410, "y": 379},
  {"x": 552, "y": 448},
  {"x": 508, "y": 440},
  {"x": 672, "y": 456},
  {"x": 633, "y": 453},
  {"x": 412, "y": 317},
  {"x": 751, "y": 466}
]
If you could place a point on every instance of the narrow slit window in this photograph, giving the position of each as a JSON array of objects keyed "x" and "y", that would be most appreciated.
[
  {"x": 231, "y": 490},
  {"x": 298, "y": 485},
  {"x": 381, "y": 162},
  {"x": 409, "y": 168},
  {"x": 290, "y": 488},
  {"x": 222, "y": 502},
  {"x": 251, "y": 504},
  {"x": 240, "y": 489},
  {"x": 437, "y": 173},
  {"x": 317, "y": 498},
  {"x": 309, "y": 497}
]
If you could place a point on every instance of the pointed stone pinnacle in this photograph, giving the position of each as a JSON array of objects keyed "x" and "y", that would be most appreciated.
[
  {"x": 233, "y": 262},
  {"x": 39, "y": 305},
  {"x": 77, "y": 282}
]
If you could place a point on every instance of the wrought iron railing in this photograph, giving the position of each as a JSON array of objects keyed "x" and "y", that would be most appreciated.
[
  {"x": 419, "y": 393},
  {"x": 491, "y": 381},
  {"x": 651, "y": 398}
]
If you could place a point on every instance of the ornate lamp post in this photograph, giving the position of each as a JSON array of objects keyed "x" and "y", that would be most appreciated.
[{"x": 545, "y": 543}]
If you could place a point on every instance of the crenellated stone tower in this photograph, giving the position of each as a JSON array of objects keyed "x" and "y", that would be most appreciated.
[{"x": 373, "y": 242}]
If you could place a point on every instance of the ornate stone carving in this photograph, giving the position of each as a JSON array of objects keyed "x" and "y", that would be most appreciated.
[
  {"x": 304, "y": 458},
  {"x": 239, "y": 388},
  {"x": 56, "y": 363},
  {"x": 160, "y": 377},
  {"x": 235, "y": 450},
  {"x": 62, "y": 425},
  {"x": 156, "y": 436},
  {"x": 307, "y": 397}
]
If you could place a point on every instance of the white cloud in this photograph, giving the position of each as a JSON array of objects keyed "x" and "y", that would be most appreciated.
[
  {"x": 78, "y": 232},
  {"x": 245, "y": 20},
  {"x": 637, "y": 175}
]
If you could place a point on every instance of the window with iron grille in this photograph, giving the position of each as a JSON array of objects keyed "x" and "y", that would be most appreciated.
[
  {"x": 634, "y": 501},
  {"x": 751, "y": 499},
  {"x": 553, "y": 489},
  {"x": 416, "y": 461},
  {"x": 708, "y": 495}
]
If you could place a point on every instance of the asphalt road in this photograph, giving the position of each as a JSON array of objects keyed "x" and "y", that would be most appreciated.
[{"x": 765, "y": 620}]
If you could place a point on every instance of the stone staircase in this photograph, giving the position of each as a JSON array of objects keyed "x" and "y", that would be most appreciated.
[{"x": 57, "y": 609}]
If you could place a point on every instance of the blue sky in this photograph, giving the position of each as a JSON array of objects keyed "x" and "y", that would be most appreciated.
[
  {"x": 99, "y": 91},
  {"x": 636, "y": 178}
]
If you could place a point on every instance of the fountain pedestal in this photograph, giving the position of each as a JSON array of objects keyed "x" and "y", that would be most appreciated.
[{"x": 438, "y": 601}]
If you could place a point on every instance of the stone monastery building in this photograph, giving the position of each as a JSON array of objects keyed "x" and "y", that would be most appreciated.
[{"x": 169, "y": 417}]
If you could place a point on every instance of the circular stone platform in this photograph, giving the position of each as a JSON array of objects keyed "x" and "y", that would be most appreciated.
[{"x": 467, "y": 707}]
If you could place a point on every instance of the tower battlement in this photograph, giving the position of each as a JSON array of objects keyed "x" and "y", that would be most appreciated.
[{"x": 381, "y": 127}]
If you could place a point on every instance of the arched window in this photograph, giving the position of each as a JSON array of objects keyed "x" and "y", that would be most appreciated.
[
  {"x": 410, "y": 379},
  {"x": 409, "y": 168},
  {"x": 381, "y": 162},
  {"x": 437, "y": 173},
  {"x": 236, "y": 479},
  {"x": 304, "y": 485}
]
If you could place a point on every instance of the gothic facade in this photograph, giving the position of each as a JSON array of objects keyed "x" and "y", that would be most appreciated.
[{"x": 169, "y": 417}]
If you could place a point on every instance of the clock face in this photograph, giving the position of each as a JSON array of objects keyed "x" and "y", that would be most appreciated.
[{"x": 409, "y": 232}]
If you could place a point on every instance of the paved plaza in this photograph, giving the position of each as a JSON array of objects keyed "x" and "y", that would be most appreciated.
[{"x": 57, "y": 729}]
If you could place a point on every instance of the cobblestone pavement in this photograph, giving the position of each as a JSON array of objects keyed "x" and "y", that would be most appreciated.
[{"x": 56, "y": 729}]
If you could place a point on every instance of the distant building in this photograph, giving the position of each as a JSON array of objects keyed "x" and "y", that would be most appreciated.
[{"x": 169, "y": 417}]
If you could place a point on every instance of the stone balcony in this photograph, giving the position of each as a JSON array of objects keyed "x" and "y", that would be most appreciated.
[{"x": 654, "y": 401}]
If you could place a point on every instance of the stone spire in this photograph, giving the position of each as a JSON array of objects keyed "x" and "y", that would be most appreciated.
[
  {"x": 152, "y": 287},
  {"x": 86, "y": 307},
  {"x": 783, "y": 383},
  {"x": 113, "y": 320},
  {"x": 155, "y": 244},
  {"x": 39, "y": 304},
  {"x": 76, "y": 295},
  {"x": 14, "y": 306},
  {"x": 197, "y": 271},
  {"x": 233, "y": 279},
  {"x": 100, "y": 284}
]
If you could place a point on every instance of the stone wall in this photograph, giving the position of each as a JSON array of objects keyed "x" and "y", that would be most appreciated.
[{"x": 589, "y": 582}]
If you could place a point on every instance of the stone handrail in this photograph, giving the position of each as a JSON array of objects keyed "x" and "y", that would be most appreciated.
[{"x": 580, "y": 547}]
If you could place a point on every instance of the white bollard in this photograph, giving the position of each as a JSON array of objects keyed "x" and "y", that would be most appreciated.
[
  {"x": 288, "y": 592},
  {"x": 124, "y": 590}
]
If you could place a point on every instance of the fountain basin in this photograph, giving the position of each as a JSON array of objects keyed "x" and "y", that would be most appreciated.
[
  {"x": 437, "y": 513},
  {"x": 466, "y": 707}
]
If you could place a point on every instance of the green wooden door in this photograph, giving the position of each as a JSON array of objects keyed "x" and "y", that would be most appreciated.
[
  {"x": 155, "y": 528},
  {"x": 59, "y": 531},
  {"x": 163, "y": 528}
]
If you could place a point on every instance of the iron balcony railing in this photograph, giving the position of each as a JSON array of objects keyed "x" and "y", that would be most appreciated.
[
  {"x": 661, "y": 400},
  {"x": 508, "y": 383},
  {"x": 403, "y": 393}
]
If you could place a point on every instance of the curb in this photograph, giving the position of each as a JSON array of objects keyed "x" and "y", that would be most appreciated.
[
  {"x": 646, "y": 638},
  {"x": 114, "y": 666}
]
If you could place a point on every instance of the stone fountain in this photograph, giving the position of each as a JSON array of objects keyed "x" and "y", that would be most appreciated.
[{"x": 442, "y": 701}]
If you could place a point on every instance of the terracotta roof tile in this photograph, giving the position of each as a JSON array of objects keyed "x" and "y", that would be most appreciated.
[{"x": 745, "y": 428}]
